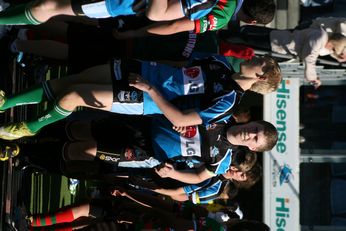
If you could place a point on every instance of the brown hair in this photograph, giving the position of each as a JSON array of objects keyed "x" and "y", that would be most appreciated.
[
  {"x": 232, "y": 188},
  {"x": 263, "y": 11},
  {"x": 252, "y": 177},
  {"x": 243, "y": 158},
  {"x": 272, "y": 75}
]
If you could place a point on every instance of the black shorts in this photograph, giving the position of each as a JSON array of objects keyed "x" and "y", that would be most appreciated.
[{"x": 120, "y": 70}]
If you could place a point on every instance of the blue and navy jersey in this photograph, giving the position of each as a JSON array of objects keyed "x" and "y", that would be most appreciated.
[
  {"x": 195, "y": 9},
  {"x": 205, "y": 86},
  {"x": 207, "y": 190},
  {"x": 200, "y": 145}
]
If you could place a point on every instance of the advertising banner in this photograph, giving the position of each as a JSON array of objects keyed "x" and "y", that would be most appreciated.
[{"x": 281, "y": 164}]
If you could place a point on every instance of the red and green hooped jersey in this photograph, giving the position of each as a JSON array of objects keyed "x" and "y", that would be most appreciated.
[{"x": 218, "y": 17}]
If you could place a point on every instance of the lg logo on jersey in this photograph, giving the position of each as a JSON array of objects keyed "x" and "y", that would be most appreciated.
[
  {"x": 190, "y": 142},
  {"x": 193, "y": 80}
]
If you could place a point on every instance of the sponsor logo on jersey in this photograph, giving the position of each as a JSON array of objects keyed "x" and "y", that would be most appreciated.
[
  {"x": 193, "y": 80},
  {"x": 109, "y": 158},
  {"x": 192, "y": 72},
  {"x": 191, "y": 131},
  {"x": 128, "y": 96},
  {"x": 190, "y": 142}
]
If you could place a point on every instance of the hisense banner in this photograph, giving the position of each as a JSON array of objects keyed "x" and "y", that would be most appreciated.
[{"x": 281, "y": 164}]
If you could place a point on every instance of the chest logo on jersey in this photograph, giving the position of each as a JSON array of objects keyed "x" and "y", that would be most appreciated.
[
  {"x": 193, "y": 81},
  {"x": 190, "y": 142},
  {"x": 213, "y": 23},
  {"x": 214, "y": 151}
]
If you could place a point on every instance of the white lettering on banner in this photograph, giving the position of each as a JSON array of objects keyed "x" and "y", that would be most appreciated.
[
  {"x": 190, "y": 142},
  {"x": 193, "y": 80}
]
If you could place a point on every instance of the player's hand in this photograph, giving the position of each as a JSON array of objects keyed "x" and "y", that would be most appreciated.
[
  {"x": 316, "y": 83},
  {"x": 118, "y": 192},
  {"x": 166, "y": 171},
  {"x": 135, "y": 80},
  {"x": 181, "y": 130}
]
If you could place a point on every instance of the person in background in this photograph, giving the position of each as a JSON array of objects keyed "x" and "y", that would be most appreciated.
[{"x": 307, "y": 44}]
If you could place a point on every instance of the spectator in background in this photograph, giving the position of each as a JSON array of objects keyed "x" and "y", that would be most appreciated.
[{"x": 307, "y": 44}]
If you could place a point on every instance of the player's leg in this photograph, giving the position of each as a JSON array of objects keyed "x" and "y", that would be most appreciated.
[
  {"x": 64, "y": 215},
  {"x": 35, "y": 12},
  {"x": 89, "y": 95},
  {"x": 48, "y": 90}
]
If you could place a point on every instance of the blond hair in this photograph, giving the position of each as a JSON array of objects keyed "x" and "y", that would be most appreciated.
[{"x": 272, "y": 75}]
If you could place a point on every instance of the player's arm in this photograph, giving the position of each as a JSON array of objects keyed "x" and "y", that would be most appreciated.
[
  {"x": 191, "y": 177},
  {"x": 158, "y": 28},
  {"x": 164, "y": 10}
]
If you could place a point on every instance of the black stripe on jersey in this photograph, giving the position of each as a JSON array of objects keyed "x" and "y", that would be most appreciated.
[{"x": 202, "y": 6}]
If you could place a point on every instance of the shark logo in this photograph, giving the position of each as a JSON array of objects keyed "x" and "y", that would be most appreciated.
[{"x": 285, "y": 173}]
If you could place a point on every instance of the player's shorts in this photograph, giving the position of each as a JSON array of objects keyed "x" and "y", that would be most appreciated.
[
  {"x": 107, "y": 8},
  {"x": 126, "y": 100}
]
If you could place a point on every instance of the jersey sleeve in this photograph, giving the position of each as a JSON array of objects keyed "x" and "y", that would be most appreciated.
[
  {"x": 217, "y": 18},
  {"x": 204, "y": 195},
  {"x": 221, "y": 165},
  {"x": 221, "y": 110}
]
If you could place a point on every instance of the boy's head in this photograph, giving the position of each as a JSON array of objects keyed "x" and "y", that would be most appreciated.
[
  {"x": 243, "y": 160},
  {"x": 337, "y": 43},
  {"x": 267, "y": 72},
  {"x": 257, "y": 11},
  {"x": 247, "y": 180},
  {"x": 258, "y": 136}
]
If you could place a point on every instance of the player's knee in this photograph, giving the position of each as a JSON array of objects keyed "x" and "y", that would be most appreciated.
[
  {"x": 70, "y": 99},
  {"x": 49, "y": 5}
]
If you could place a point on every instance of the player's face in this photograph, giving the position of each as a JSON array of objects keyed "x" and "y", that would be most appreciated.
[
  {"x": 250, "y": 135},
  {"x": 252, "y": 68},
  {"x": 236, "y": 175}
]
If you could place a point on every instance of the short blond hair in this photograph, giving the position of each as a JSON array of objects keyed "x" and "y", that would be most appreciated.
[{"x": 272, "y": 74}]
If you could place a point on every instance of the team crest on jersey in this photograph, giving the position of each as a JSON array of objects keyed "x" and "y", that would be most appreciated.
[
  {"x": 193, "y": 80},
  {"x": 213, "y": 23},
  {"x": 190, "y": 142},
  {"x": 214, "y": 151},
  {"x": 211, "y": 126}
]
